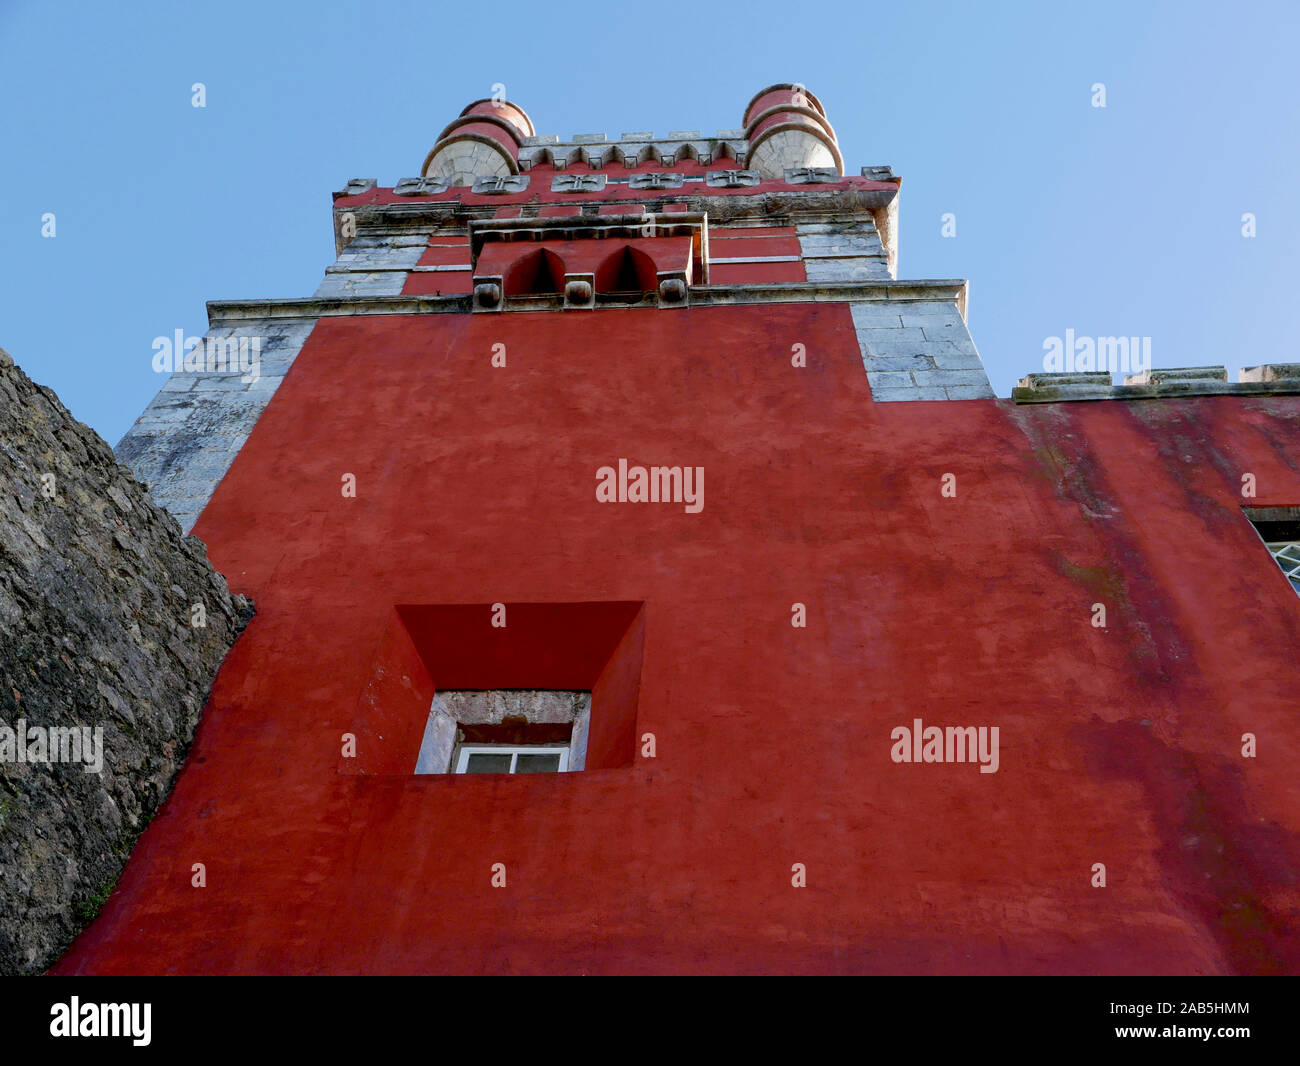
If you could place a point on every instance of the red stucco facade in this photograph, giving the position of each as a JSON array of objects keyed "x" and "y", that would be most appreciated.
[{"x": 475, "y": 484}]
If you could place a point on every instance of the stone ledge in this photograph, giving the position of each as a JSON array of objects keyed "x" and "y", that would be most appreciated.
[
  {"x": 1270, "y": 372},
  {"x": 231, "y": 312},
  {"x": 381, "y": 220},
  {"x": 1270, "y": 379},
  {"x": 1170, "y": 375}
]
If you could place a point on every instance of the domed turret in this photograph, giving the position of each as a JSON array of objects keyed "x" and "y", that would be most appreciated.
[
  {"x": 484, "y": 141},
  {"x": 787, "y": 128}
]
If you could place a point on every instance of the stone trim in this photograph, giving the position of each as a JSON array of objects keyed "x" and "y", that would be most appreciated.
[
  {"x": 357, "y": 187},
  {"x": 184, "y": 442},
  {"x": 812, "y": 205},
  {"x": 1270, "y": 379},
  {"x": 732, "y": 179},
  {"x": 919, "y": 350},
  {"x": 421, "y": 186},
  {"x": 228, "y": 312}
]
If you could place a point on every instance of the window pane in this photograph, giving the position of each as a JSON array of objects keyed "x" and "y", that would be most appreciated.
[
  {"x": 488, "y": 764},
  {"x": 537, "y": 764}
]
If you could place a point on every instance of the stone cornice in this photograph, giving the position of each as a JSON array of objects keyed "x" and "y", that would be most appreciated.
[
  {"x": 230, "y": 312},
  {"x": 762, "y": 207},
  {"x": 804, "y": 204},
  {"x": 1270, "y": 379}
]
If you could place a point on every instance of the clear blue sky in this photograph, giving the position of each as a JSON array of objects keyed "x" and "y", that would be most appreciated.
[{"x": 1117, "y": 221}]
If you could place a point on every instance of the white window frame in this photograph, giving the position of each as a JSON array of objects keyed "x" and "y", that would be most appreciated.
[
  {"x": 514, "y": 751},
  {"x": 1289, "y": 567}
]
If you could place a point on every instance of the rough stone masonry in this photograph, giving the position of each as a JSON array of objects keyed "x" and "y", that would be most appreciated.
[{"x": 110, "y": 619}]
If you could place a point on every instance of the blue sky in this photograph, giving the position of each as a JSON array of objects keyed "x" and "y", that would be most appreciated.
[{"x": 1123, "y": 220}]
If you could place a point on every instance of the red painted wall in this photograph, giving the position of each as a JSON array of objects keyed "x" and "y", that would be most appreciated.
[{"x": 477, "y": 485}]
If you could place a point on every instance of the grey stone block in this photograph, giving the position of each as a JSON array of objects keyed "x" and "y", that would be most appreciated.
[
  {"x": 899, "y": 362},
  {"x": 944, "y": 330},
  {"x": 896, "y": 395},
  {"x": 1175, "y": 374},
  {"x": 869, "y": 309},
  {"x": 937, "y": 316},
  {"x": 162, "y": 416},
  {"x": 889, "y": 380},
  {"x": 858, "y": 269},
  {"x": 179, "y": 383},
  {"x": 970, "y": 392},
  {"x": 957, "y": 360},
  {"x": 888, "y": 349},
  {"x": 1270, "y": 372},
  {"x": 220, "y": 383},
  {"x": 1036, "y": 381},
  {"x": 900, "y": 335},
  {"x": 265, "y": 384},
  {"x": 955, "y": 377}
]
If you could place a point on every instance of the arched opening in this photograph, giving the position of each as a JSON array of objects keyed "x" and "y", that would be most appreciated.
[
  {"x": 626, "y": 270},
  {"x": 538, "y": 273}
]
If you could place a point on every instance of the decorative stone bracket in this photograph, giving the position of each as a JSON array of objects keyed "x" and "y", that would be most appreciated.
[
  {"x": 655, "y": 180},
  {"x": 812, "y": 175},
  {"x": 421, "y": 186},
  {"x": 578, "y": 182},
  {"x": 500, "y": 185},
  {"x": 732, "y": 179}
]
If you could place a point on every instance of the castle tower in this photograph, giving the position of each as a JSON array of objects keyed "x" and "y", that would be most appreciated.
[
  {"x": 621, "y": 527},
  {"x": 500, "y": 219}
]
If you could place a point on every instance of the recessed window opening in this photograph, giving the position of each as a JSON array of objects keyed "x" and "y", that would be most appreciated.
[
  {"x": 1279, "y": 529},
  {"x": 505, "y": 731}
]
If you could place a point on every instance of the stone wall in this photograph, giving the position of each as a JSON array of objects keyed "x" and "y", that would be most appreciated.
[
  {"x": 186, "y": 439},
  {"x": 849, "y": 250},
  {"x": 112, "y": 627},
  {"x": 919, "y": 350}
]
